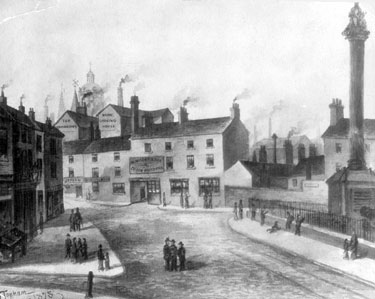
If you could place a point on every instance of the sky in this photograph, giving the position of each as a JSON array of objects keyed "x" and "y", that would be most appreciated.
[{"x": 285, "y": 59}]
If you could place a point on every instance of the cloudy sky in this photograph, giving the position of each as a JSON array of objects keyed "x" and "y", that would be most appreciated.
[{"x": 288, "y": 58}]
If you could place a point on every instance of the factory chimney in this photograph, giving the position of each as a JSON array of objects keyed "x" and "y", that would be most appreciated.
[
  {"x": 120, "y": 96},
  {"x": 274, "y": 137}
]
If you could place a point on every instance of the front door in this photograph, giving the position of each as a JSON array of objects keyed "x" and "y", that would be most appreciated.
[{"x": 138, "y": 191}]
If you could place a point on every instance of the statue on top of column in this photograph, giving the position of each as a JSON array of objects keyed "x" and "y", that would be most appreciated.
[{"x": 357, "y": 27}]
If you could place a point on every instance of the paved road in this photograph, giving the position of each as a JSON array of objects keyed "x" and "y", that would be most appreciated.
[{"x": 222, "y": 264}]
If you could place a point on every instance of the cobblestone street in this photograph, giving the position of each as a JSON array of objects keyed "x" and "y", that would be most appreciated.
[{"x": 221, "y": 263}]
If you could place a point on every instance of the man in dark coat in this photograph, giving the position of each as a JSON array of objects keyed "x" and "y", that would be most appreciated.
[
  {"x": 75, "y": 249},
  {"x": 299, "y": 221},
  {"x": 262, "y": 216},
  {"x": 289, "y": 221},
  {"x": 166, "y": 255},
  {"x": 181, "y": 252},
  {"x": 84, "y": 249},
  {"x": 240, "y": 209},
  {"x": 173, "y": 253},
  {"x": 353, "y": 245},
  {"x": 68, "y": 246},
  {"x": 253, "y": 212},
  {"x": 77, "y": 220},
  {"x": 210, "y": 200},
  {"x": 71, "y": 221},
  {"x": 101, "y": 258}
]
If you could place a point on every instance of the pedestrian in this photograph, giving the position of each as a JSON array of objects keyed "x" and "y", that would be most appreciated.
[
  {"x": 299, "y": 221},
  {"x": 100, "y": 258},
  {"x": 41, "y": 222},
  {"x": 275, "y": 227},
  {"x": 235, "y": 211},
  {"x": 166, "y": 254},
  {"x": 182, "y": 199},
  {"x": 106, "y": 261},
  {"x": 205, "y": 204},
  {"x": 210, "y": 200},
  {"x": 80, "y": 247},
  {"x": 240, "y": 210},
  {"x": 71, "y": 221},
  {"x": 187, "y": 200},
  {"x": 164, "y": 200},
  {"x": 181, "y": 252},
  {"x": 84, "y": 249},
  {"x": 346, "y": 249},
  {"x": 68, "y": 246},
  {"x": 75, "y": 249},
  {"x": 289, "y": 221},
  {"x": 173, "y": 255},
  {"x": 353, "y": 245},
  {"x": 262, "y": 216},
  {"x": 78, "y": 219},
  {"x": 253, "y": 212}
]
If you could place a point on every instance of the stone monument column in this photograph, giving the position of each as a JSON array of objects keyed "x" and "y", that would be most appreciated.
[{"x": 356, "y": 33}]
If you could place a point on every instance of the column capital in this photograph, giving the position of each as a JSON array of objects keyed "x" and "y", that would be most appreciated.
[{"x": 357, "y": 27}]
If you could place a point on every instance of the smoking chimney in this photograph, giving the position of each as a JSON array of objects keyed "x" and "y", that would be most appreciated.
[
  {"x": 274, "y": 137},
  {"x": 337, "y": 111},
  {"x": 3, "y": 98},
  {"x": 270, "y": 127},
  {"x": 235, "y": 111},
  {"x": 134, "y": 106},
  {"x": 120, "y": 96},
  {"x": 183, "y": 115},
  {"x": 82, "y": 108},
  {"x": 21, "y": 107},
  {"x": 288, "y": 152},
  {"x": 32, "y": 114}
]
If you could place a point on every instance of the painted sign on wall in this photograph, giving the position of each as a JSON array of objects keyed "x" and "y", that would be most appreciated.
[{"x": 146, "y": 164}]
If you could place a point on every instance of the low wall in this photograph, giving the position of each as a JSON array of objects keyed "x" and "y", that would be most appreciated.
[{"x": 234, "y": 194}]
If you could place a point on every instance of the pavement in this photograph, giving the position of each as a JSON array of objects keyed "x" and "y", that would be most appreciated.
[{"x": 318, "y": 252}]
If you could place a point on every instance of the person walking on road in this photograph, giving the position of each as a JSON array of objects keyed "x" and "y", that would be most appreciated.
[
  {"x": 346, "y": 249},
  {"x": 240, "y": 210},
  {"x": 166, "y": 254},
  {"x": 75, "y": 249},
  {"x": 68, "y": 246},
  {"x": 353, "y": 245},
  {"x": 173, "y": 253},
  {"x": 101, "y": 258},
  {"x": 181, "y": 252},
  {"x": 84, "y": 249},
  {"x": 299, "y": 222},
  {"x": 106, "y": 262},
  {"x": 71, "y": 221},
  {"x": 235, "y": 211},
  {"x": 77, "y": 219},
  {"x": 263, "y": 214},
  {"x": 289, "y": 221}
]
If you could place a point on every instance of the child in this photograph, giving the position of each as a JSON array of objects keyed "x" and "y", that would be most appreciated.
[{"x": 106, "y": 262}]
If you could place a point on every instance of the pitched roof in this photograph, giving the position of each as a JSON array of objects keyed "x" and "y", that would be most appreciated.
[
  {"x": 268, "y": 142},
  {"x": 19, "y": 116},
  {"x": 192, "y": 127},
  {"x": 341, "y": 129},
  {"x": 118, "y": 143},
  {"x": 274, "y": 170},
  {"x": 75, "y": 147},
  {"x": 82, "y": 121},
  {"x": 316, "y": 164},
  {"x": 50, "y": 130},
  {"x": 127, "y": 112}
]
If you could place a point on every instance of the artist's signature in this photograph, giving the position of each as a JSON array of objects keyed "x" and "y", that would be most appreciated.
[{"x": 23, "y": 294}]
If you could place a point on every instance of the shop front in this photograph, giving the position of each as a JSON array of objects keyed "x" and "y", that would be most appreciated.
[{"x": 74, "y": 185}]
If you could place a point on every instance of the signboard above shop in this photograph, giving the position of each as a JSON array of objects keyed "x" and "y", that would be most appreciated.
[{"x": 153, "y": 164}]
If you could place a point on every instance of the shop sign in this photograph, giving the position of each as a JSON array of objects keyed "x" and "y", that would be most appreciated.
[
  {"x": 73, "y": 181},
  {"x": 146, "y": 164},
  {"x": 100, "y": 179}
]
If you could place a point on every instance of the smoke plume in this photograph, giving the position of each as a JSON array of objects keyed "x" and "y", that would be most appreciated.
[
  {"x": 245, "y": 94},
  {"x": 190, "y": 100},
  {"x": 278, "y": 107},
  {"x": 48, "y": 99},
  {"x": 138, "y": 87}
]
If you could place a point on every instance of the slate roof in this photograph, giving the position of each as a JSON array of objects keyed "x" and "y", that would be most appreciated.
[
  {"x": 118, "y": 143},
  {"x": 50, "y": 130},
  {"x": 82, "y": 121},
  {"x": 75, "y": 147},
  {"x": 268, "y": 142},
  {"x": 127, "y": 112},
  {"x": 275, "y": 170},
  {"x": 190, "y": 128},
  {"x": 341, "y": 129}
]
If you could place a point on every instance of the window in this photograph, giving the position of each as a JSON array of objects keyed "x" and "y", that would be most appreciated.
[
  {"x": 117, "y": 171},
  {"x": 169, "y": 163},
  {"x": 190, "y": 161},
  {"x": 295, "y": 182},
  {"x": 190, "y": 144},
  {"x": 210, "y": 160},
  {"x": 153, "y": 187},
  {"x": 338, "y": 148},
  {"x": 71, "y": 172},
  {"x": 338, "y": 166},
  {"x": 209, "y": 143},
  {"x": 95, "y": 186},
  {"x": 148, "y": 147},
  {"x": 95, "y": 172},
  {"x": 38, "y": 143},
  {"x": 53, "y": 170},
  {"x": 179, "y": 186},
  {"x": 209, "y": 185},
  {"x": 39, "y": 165},
  {"x": 118, "y": 188},
  {"x": 116, "y": 157},
  {"x": 94, "y": 158},
  {"x": 71, "y": 159},
  {"x": 52, "y": 146},
  {"x": 168, "y": 146},
  {"x": 3, "y": 143}
]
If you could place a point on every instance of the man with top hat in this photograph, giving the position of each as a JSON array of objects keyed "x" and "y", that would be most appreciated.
[
  {"x": 68, "y": 246},
  {"x": 181, "y": 255},
  {"x": 166, "y": 254},
  {"x": 173, "y": 255}
]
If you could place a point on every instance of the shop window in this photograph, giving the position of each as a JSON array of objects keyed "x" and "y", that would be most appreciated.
[
  {"x": 153, "y": 187},
  {"x": 38, "y": 143},
  {"x": 118, "y": 188},
  {"x": 116, "y": 157},
  {"x": 209, "y": 185},
  {"x": 209, "y": 143},
  {"x": 210, "y": 160},
  {"x": 190, "y": 144},
  {"x": 95, "y": 172},
  {"x": 71, "y": 172},
  {"x": 169, "y": 163},
  {"x": 94, "y": 158},
  {"x": 338, "y": 148},
  {"x": 190, "y": 161},
  {"x": 147, "y": 147},
  {"x": 71, "y": 159},
  {"x": 295, "y": 182},
  {"x": 3, "y": 143},
  {"x": 95, "y": 186},
  {"x": 179, "y": 186},
  {"x": 168, "y": 146},
  {"x": 117, "y": 171},
  {"x": 53, "y": 170}
]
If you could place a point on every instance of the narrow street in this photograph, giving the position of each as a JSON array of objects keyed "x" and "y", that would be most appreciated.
[{"x": 221, "y": 263}]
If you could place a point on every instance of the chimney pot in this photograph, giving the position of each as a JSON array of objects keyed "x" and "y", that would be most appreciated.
[
  {"x": 235, "y": 111},
  {"x": 183, "y": 115}
]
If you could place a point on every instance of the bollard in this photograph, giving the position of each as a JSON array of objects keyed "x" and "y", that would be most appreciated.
[{"x": 90, "y": 279}]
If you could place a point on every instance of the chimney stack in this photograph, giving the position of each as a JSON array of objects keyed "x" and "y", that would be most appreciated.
[
  {"x": 134, "y": 106},
  {"x": 183, "y": 116},
  {"x": 120, "y": 96},
  {"x": 3, "y": 98},
  {"x": 82, "y": 108},
  {"x": 288, "y": 152},
  {"x": 270, "y": 128},
  {"x": 92, "y": 131},
  {"x": 274, "y": 137},
  {"x": 235, "y": 111},
  {"x": 301, "y": 152},
  {"x": 21, "y": 107},
  {"x": 337, "y": 111},
  {"x": 32, "y": 114},
  {"x": 312, "y": 150},
  {"x": 263, "y": 154},
  {"x": 48, "y": 122}
]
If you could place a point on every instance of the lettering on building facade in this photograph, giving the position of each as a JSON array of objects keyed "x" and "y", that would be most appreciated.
[{"x": 146, "y": 164}]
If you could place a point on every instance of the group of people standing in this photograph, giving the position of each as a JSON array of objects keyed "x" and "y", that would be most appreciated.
[
  {"x": 351, "y": 247},
  {"x": 171, "y": 253},
  {"x": 75, "y": 220},
  {"x": 289, "y": 220},
  {"x": 75, "y": 248},
  {"x": 103, "y": 259}
]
